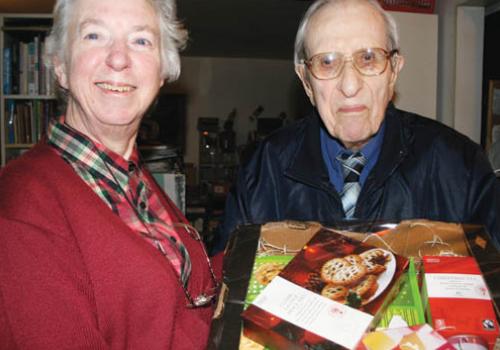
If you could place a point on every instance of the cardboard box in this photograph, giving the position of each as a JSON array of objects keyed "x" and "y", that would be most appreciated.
[
  {"x": 279, "y": 242},
  {"x": 331, "y": 293},
  {"x": 458, "y": 301},
  {"x": 416, "y": 238}
]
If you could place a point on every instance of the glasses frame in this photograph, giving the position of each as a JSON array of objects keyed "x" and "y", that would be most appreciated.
[
  {"x": 388, "y": 56},
  {"x": 204, "y": 298}
]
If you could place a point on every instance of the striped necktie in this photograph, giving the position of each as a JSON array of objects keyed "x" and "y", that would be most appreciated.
[{"x": 352, "y": 165}]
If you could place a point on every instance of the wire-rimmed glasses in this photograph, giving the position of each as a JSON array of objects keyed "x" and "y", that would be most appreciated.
[
  {"x": 368, "y": 62},
  {"x": 206, "y": 297}
]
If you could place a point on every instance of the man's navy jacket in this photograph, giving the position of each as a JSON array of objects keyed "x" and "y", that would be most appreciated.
[{"x": 425, "y": 170}]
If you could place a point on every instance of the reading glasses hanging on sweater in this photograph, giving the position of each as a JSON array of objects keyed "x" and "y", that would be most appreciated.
[{"x": 207, "y": 297}]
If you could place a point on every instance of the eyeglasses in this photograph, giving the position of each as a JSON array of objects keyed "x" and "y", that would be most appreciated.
[
  {"x": 368, "y": 62},
  {"x": 202, "y": 299},
  {"x": 207, "y": 297}
]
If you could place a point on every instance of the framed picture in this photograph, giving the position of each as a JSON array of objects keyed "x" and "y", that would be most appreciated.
[{"x": 493, "y": 114}]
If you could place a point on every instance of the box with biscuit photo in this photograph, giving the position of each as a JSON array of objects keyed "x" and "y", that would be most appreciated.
[{"x": 327, "y": 297}]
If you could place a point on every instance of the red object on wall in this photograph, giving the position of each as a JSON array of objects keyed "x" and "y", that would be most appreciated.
[{"x": 421, "y": 6}]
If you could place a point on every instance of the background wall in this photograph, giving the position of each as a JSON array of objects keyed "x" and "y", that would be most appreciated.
[
  {"x": 491, "y": 69},
  {"x": 417, "y": 85},
  {"x": 215, "y": 86},
  {"x": 468, "y": 81}
]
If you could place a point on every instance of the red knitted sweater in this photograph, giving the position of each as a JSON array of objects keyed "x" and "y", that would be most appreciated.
[{"x": 73, "y": 275}]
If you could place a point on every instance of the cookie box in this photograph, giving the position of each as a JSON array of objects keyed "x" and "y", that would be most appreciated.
[
  {"x": 458, "y": 301},
  {"x": 328, "y": 295},
  {"x": 265, "y": 269}
]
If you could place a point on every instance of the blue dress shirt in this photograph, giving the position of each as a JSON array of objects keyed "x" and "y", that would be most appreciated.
[{"x": 331, "y": 148}]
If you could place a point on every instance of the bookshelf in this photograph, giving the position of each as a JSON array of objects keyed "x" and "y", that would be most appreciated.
[{"x": 27, "y": 91}]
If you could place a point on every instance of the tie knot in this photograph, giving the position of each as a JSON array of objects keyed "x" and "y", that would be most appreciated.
[{"x": 352, "y": 165}]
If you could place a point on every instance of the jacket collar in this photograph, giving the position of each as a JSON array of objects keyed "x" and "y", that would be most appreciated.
[
  {"x": 395, "y": 147},
  {"x": 308, "y": 166}
]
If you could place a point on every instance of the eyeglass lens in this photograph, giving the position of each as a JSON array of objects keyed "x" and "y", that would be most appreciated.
[{"x": 368, "y": 62}]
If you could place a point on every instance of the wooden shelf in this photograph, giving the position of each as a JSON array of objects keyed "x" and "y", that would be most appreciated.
[
  {"x": 29, "y": 97},
  {"x": 18, "y": 145},
  {"x": 31, "y": 101}
]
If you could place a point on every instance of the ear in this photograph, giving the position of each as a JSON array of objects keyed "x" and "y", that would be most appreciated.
[
  {"x": 300, "y": 70},
  {"x": 60, "y": 70},
  {"x": 397, "y": 63}
]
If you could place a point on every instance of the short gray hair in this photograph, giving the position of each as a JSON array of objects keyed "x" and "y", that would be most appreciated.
[
  {"x": 173, "y": 36},
  {"x": 390, "y": 24}
]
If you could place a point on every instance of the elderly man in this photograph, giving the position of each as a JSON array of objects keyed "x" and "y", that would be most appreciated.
[
  {"x": 93, "y": 255},
  {"x": 357, "y": 156}
]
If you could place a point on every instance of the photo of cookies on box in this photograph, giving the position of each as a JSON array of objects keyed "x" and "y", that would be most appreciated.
[
  {"x": 344, "y": 270},
  {"x": 265, "y": 268},
  {"x": 358, "y": 278},
  {"x": 335, "y": 288}
]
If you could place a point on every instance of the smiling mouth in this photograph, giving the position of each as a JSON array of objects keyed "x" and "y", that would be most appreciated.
[{"x": 115, "y": 88}]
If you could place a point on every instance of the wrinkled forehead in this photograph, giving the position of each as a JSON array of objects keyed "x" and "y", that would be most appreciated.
[
  {"x": 127, "y": 13},
  {"x": 345, "y": 27}
]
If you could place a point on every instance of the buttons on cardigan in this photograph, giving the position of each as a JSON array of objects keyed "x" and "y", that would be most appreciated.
[{"x": 131, "y": 167}]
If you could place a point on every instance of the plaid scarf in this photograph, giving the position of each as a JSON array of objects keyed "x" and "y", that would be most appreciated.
[{"x": 122, "y": 185}]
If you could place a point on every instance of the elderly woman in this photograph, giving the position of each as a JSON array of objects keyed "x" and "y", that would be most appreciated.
[{"x": 93, "y": 255}]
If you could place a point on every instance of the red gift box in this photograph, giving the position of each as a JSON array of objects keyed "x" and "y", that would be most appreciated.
[
  {"x": 458, "y": 300},
  {"x": 419, "y": 6}
]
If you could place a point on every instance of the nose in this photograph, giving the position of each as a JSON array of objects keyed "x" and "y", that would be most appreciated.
[
  {"x": 118, "y": 56},
  {"x": 350, "y": 81}
]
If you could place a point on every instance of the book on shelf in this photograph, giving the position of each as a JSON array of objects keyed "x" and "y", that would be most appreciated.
[
  {"x": 24, "y": 71},
  {"x": 15, "y": 71},
  {"x": 7, "y": 70},
  {"x": 10, "y": 113},
  {"x": 27, "y": 120},
  {"x": 33, "y": 67},
  {"x": 23, "y": 68}
]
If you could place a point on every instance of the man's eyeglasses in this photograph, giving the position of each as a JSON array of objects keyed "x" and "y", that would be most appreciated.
[{"x": 368, "y": 62}]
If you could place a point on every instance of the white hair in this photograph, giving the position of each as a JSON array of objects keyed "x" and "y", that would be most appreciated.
[
  {"x": 390, "y": 24},
  {"x": 172, "y": 34}
]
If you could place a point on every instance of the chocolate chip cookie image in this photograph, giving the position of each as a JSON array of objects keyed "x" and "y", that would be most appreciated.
[
  {"x": 365, "y": 275},
  {"x": 335, "y": 292},
  {"x": 366, "y": 288},
  {"x": 354, "y": 259},
  {"x": 331, "y": 267},
  {"x": 340, "y": 271},
  {"x": 349, "y": 275},
  {"x": 375, "y": 260}
]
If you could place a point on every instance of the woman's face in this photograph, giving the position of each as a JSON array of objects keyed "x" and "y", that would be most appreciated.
[{"x": 112, "y": 67}]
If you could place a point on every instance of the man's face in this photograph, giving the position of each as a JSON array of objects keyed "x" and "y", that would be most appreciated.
[
  {"x": 351, "y": 105},
  {"x": 112, "y": 67}
]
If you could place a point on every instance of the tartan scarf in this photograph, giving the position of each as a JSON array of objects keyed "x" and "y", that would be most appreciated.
[{"x": 123, "y": 186}]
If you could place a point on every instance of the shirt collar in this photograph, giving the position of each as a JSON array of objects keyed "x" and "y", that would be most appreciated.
[
  {"x": 369, "y": 150},
  {"x": 76, "y": 147}
]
